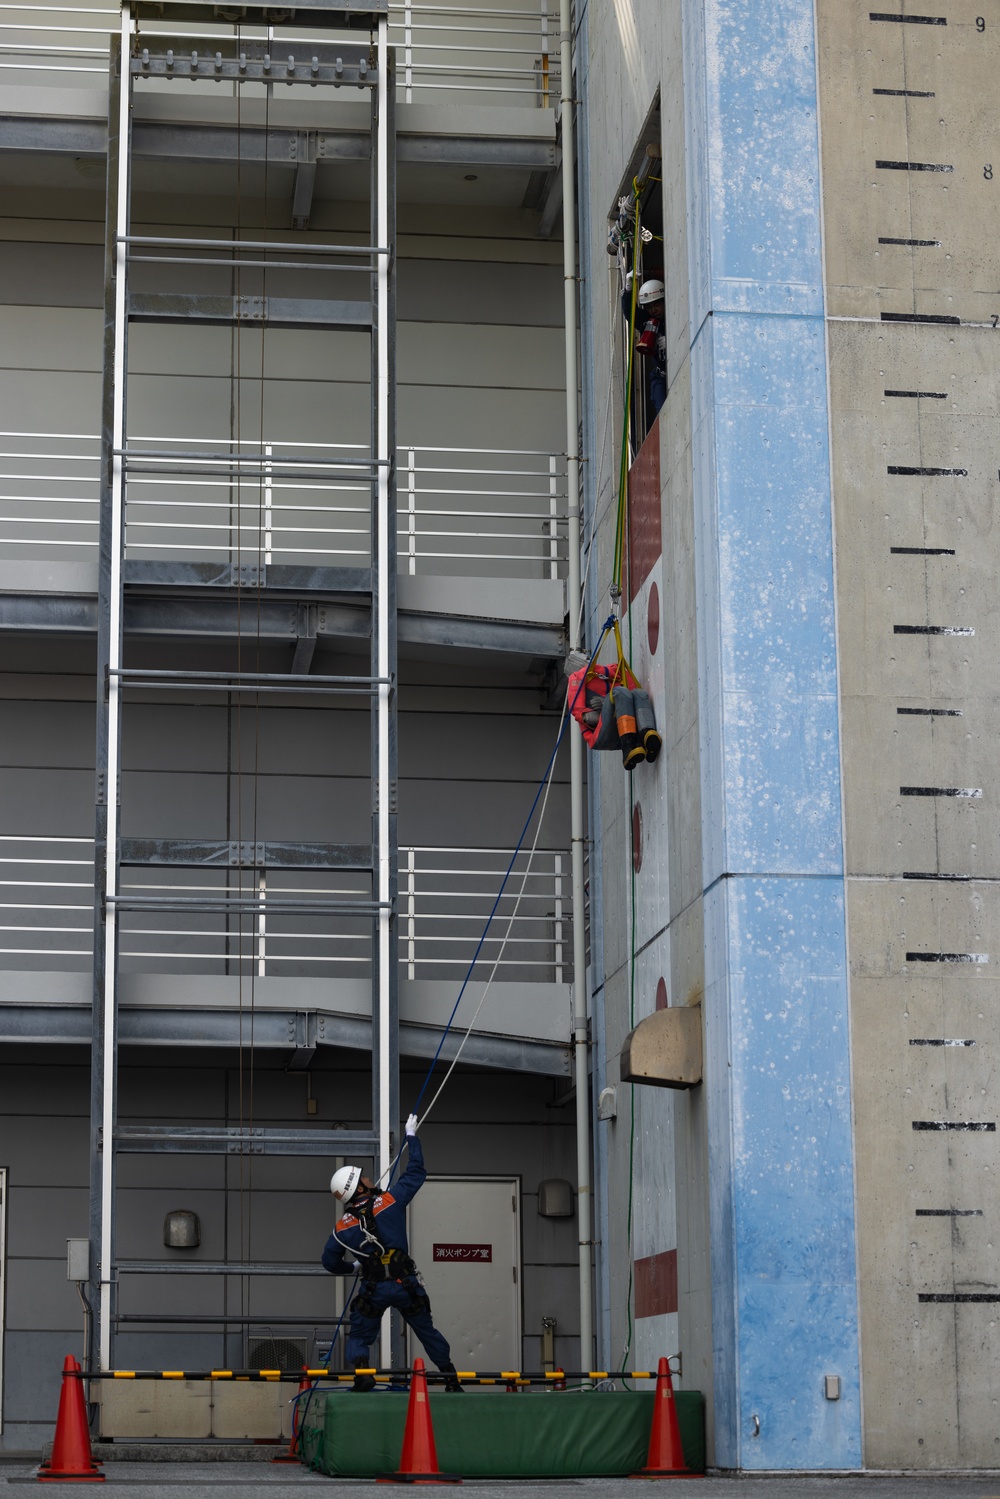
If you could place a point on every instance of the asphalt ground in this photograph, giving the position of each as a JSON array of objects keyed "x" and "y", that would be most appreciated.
[{"x": 219, "y": 1480}]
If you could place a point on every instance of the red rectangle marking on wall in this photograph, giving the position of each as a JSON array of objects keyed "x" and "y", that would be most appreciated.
[
  {"x": 465, "y": 1254},
  {"x": 656, "y": 1284},
  {"x": 645, "y": 532}
]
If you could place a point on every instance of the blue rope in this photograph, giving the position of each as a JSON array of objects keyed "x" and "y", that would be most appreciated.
[
  {"x": 608, "y": 625},
  {"x": 329, "y": 1358}
]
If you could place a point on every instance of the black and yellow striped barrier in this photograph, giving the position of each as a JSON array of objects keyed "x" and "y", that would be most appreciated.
[{"x": 383, "y": 1376}]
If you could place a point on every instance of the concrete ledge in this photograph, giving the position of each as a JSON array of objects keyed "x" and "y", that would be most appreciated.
[{"x": 184, "y": 1452}]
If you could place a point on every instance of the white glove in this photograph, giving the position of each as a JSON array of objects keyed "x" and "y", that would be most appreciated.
[
  {"x": 411, "y": 1126},
  {"x": 628, "y": 280}
]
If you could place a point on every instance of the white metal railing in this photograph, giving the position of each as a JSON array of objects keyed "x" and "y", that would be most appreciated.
[
  {"x": 445, "y": 898},
  {"x": 505, "y": 55},
  {"x": 465, "y": 511}
]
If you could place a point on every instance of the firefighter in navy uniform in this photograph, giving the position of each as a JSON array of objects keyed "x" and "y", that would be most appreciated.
[{"x": 372, "y": 1233}]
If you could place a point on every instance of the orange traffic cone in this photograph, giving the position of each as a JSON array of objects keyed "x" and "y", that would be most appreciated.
[
  {"x": 665, "y": 1458},
  {"x": 418, "y": 1462},
  {"x": 71, "y": 1457},
  {"x": 293, "y": 1455}
]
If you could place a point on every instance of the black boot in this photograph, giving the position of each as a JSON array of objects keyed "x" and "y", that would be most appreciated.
[
  {"x": 363, "y": 1382},
  {"x": 645, "y": 723},
  {"x": 452, "y": 1385}
]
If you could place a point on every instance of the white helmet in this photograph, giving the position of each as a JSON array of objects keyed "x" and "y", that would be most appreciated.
[
  {"x": 344, "y": 1183},
  {"x": 650, "y": 291}
]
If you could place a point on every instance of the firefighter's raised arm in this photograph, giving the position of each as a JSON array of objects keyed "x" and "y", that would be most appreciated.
[{"x": 415, "y": 1175}]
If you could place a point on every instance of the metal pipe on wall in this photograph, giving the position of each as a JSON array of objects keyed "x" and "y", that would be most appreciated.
[{"x": 580, "y": 1034}]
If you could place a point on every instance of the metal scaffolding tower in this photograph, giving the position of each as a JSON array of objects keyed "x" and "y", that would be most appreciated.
[{"x": 265, "y": 58}]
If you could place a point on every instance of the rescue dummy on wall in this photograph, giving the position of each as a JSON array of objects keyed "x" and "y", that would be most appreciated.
[{"x": 614, "y": 712}]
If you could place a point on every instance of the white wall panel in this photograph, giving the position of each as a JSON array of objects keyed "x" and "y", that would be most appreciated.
[
  {"x": 175, "y": 737},
  {"x": 50, "y": 338},
  {"x": 38, "y": 801},
  {"x": 41, "y": 1219},
  {"x": 525, "y": 358},
  {"x": 39, "y": 1297},
  {"x": 52, "y": 1152},
  {"x": 48, "y": 734}
]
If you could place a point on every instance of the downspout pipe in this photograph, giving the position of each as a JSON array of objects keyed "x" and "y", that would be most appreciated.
[{"x": 580, "y": 1030}]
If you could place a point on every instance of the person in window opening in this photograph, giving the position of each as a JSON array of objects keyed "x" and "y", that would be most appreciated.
[
  {"x": 371, "y": 1239},
  {"x": 650, "y": 336}
]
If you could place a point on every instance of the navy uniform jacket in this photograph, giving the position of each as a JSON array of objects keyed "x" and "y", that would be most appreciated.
[{"x": 390, "y": 1219}]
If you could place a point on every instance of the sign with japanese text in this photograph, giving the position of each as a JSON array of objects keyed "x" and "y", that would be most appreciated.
[{"x": 464, "y": 1254}]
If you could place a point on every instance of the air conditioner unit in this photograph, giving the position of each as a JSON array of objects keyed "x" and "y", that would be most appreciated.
[{"x": 265, "y": 1351}]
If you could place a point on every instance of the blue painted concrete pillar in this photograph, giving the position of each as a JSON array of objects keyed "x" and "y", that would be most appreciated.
[{"x": 777, "y": 1069}]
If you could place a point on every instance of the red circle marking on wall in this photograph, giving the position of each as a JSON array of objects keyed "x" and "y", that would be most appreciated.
[
  {"x": 661, "y": 994},
  {"x": 653, "y": 619},
  {"x": 637, "y": 837}
]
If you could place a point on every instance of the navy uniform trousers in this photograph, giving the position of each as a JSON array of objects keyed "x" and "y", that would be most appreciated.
[{"x": 365, "y": 1328}]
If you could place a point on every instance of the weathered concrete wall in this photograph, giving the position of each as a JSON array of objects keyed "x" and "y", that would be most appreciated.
[
  {"x": 746, "y": 907},
  {"x": 633, "y": 54},
  {"x": 911, "y": 266}
]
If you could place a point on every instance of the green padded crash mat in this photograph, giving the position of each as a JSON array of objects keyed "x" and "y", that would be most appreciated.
[{"x": 558, "y": 1434}]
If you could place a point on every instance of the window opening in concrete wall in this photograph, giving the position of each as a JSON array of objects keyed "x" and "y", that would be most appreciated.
[{"x": 635, "y": 243}]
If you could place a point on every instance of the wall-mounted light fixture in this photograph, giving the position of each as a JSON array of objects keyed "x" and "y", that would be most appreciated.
[
  {"x": 555, "y": 1199},
  {"x": 182, "y": 1230}
]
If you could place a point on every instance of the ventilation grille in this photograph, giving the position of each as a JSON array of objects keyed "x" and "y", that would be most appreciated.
[{"x": 286, "y": 1354}]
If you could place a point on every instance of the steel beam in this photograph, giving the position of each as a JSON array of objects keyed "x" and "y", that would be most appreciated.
[
  {"x": 169, "y": 1139},
  {"x": 305, "y": 1042},
  {"x": 211, "y": 1267},
  {"x": 385, "y": 964},
  {"x": 176, "y": 141},
  {"x": 110, "y": 648},
  {"x": 271, "y": 312},
  {"x": 551, "y": 204},
  {"x": 275, "y": 1030},
  {"x": 548, "y": 641},
  {"x": 198, "y": 853},
  {"x": 275, "y": 577},
  {"x": 154, "y": 617},
  {"x": 250, "y": 60},
  {"x": 305, "y": 644},
  {"x": 302, "y": 193},
  {"x": 348, "y": 13}
]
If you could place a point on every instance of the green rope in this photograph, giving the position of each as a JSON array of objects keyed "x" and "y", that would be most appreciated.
[
  {"x": 631, "y": 1016},
  {"x": 619, "y": 552}
]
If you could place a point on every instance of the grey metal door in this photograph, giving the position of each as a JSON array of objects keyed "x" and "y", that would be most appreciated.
[{"x": 465, "y": 1236}]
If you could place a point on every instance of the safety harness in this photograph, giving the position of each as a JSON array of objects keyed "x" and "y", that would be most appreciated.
[{"x": 382, "y": 1264}]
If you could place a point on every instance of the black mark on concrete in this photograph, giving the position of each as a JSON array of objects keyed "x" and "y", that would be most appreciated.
[
  {"x": 914, "y": 395},
  {"x": 920, "y": 317},
  {"x": 885, "y": 15},
  {"x": 913, "y": 166},
  {"x": 908, "y": 470},
  {"x": 949, "y": 1212},
  {"x": 933, "y": 712},
  {"x": 967, "y": 791},
  {"x": 947, "y": 957},
  {"x": 954, "y": 1298},
  {"x": 932, "y": 630},
  {"x": 982, "y": 1126}
]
